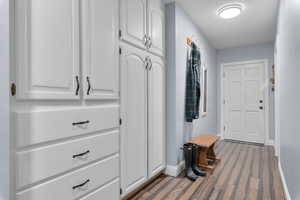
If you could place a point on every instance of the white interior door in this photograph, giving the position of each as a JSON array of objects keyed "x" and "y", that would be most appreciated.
[
  {"x": 156, "y": 117},
  {"x": 47, "y": 49},
  {"x": 133, "y": 21},
  {"x": 244, "y": 100},
  {"x": 100, "y": 49},
  {"x": 134, "y": 117},
  {"x": 156, "y": 26}
]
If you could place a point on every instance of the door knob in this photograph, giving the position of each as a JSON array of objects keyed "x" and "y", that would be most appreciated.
[
  {"x": 261, "y": 101},
  {"x": 261, "y": 108}
]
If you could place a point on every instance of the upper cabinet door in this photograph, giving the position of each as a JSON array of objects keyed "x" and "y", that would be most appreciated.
[
  {"x": 133, "y": 19},
  {"x": 100, "y": 49},
  {"x": 156, "y": 20},
  {"x": 47, "y": 49},
  {"x": 156, "y": 117},
  {"x": 134, "y": 119}
]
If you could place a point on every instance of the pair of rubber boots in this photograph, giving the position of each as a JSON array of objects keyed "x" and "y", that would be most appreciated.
[{"x": 191, "y": 153}]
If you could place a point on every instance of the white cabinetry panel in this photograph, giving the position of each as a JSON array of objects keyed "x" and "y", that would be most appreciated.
[
  {"x": 47, "y": 125},
  {"x": 64, "y": 187},
  {"x": 47, "y": 49},
  {"x": 134, "y": 115},
  {"x": 156, "y": 117},
  {"x": 133, "y": 18},
  {"x": 156, "y": 27},
  {"x": 100, "y": 49},
  {"x": 38, "y": 164}
]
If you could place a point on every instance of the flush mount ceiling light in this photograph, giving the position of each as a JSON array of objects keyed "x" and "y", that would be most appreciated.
[{"x": 229, "y": 11}]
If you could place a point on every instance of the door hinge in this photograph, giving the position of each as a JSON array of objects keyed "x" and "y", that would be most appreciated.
[
  {"x": 13, "y": 89},
  {"x": 121, "y": 191},
  {"x": 120, "y": 50},
  {"x": 224, "y": 74},
  {"x": 120, "y": 121},
  {"x": 224, "y": 102},
  {"x": 224, "y": 128},
  {"x": 120, "y": 33}
]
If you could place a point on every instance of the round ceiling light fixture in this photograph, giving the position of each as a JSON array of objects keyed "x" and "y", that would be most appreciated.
[{"x": 229, "y": 11}]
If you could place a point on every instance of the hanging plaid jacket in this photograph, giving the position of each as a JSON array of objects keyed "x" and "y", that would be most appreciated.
[{"x": 193, "y": 91}]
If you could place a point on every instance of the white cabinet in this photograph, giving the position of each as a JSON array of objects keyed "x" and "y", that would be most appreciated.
[
  {"x": 65, "y": 142},
  {"x": 156, "y": 27},
  {"x": 142, "y": 24},
  {"x": 100, "y": 49},
  {"x": 133, "y": 21},
  {"x": 156, "y": 116},
  {"x": 143, "y": 117},
  {"x": 134, "y": 116},
  {"x": 47, "y": 49}
]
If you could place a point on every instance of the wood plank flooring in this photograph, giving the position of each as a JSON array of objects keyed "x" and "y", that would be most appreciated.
[{"x": 246, "y": 172}]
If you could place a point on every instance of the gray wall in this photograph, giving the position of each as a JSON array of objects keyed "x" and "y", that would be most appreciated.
[
  {"x": 179, "y": 27},
  {"x": 4, "y": 99},
  {"x": 288, "y": 96},
  {"x": 252, "y": 52}
]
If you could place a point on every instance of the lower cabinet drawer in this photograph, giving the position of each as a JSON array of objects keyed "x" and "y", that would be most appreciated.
[
  {"x": 75, "y": 184},
  {"x": 108, "y": 192},
  {"x": 38, "y": 164},
  {"x": 40, "y": 126}
]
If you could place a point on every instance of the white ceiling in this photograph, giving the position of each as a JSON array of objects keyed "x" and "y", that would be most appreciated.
[{"x": 256, "y": 24}]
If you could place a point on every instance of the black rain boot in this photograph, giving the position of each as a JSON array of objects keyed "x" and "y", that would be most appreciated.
[
  {"x": 195, "y": 156},
  {"x": 188, "y": 162}
]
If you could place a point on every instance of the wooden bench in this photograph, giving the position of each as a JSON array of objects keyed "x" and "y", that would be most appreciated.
[{"x": 207, "y": 153}]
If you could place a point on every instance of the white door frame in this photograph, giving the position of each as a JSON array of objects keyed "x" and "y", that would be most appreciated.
[{"x": 266, "y": 95}]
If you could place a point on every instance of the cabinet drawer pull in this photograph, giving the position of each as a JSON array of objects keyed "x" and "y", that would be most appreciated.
[
  {"x": 145, "y": 40},
  {"x": 149, "y": 43},
  {"x": 89, "y": 85},
  {"x": 146, "y": 63},
  {"x": 80, "y": 123},
  {"x": 78, "y": 85},
  {"x": 81, "y": 154},
  {"x": 81, "y": 185},
  {"x": 151, "y": 64}
]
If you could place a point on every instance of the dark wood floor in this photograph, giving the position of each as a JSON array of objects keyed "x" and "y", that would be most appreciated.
[{"x": 246, "y": 172}]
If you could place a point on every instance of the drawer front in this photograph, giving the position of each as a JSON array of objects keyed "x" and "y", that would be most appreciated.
[
  {"x": 76, "y": 184},
  {"x": 108, "y": 192},
  {"x": 48, "y": 125},
  {"x": 38, "y": 164}
]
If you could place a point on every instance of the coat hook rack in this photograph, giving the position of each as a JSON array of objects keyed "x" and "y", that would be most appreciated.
[{"x": 189, "y": 42}]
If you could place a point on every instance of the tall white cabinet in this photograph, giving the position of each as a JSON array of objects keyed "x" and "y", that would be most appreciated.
[
  {"x": 156, "y": 116},
  {"x": 65, "y": 115},
  {"x": 142, "y": 92},
  {"x": 134, "y": 141},
  {"x": 88, "y": 98}
]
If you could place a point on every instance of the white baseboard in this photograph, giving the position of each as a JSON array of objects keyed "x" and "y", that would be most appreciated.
[
  {"x": 221, "y": 136},
  {"x": 270, "y": 142},
  {"x": 175, "y": 170},
  {"x": 286, "y": 191}
]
